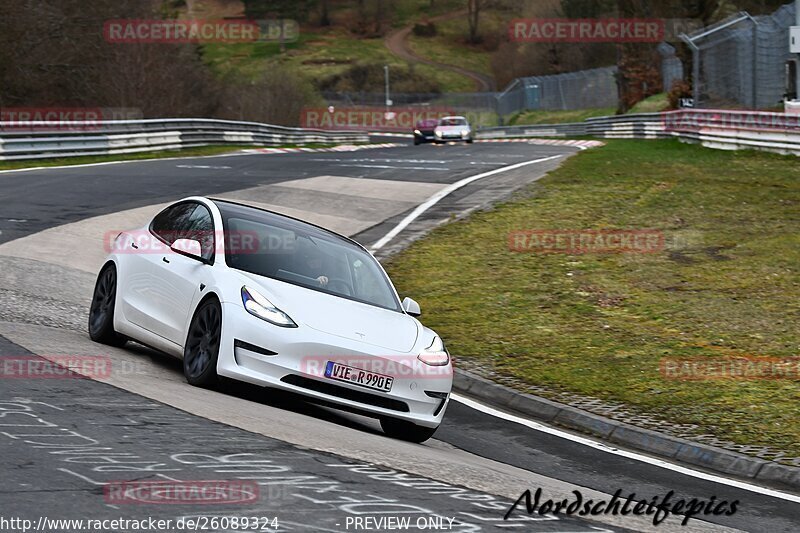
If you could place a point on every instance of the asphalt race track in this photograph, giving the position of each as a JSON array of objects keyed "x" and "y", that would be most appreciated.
[{"x": 316, "y": 469}]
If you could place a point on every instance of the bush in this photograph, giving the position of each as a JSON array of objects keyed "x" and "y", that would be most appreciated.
[
  {"x": 425, "y": 30},
  {"x": 680, "y": 89},
  {"x": 369, "y": 78},
  {"x": 276, "y": 98}
]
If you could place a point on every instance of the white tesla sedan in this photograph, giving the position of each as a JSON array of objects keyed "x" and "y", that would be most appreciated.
[{"x": 256, "y": 296}]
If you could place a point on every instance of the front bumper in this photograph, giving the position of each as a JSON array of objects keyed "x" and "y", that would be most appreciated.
[
  {"x": 453, "y": 138},
  {"x": 419, "y": 393}
]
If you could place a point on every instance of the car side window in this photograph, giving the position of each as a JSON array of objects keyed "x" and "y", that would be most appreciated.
[
  {"x": 200, "y": 227},
  {"x": 169, "y": 222},
  {"x": 188, "y": 220}
]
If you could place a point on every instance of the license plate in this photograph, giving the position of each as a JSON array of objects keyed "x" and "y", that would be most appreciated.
[{"x": 357, "y": 376}]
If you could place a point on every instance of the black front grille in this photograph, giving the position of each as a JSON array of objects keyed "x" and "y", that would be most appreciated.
[{"x": 348, "y": 394}]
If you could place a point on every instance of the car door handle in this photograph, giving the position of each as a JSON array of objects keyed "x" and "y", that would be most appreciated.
[{"x": 165, "y": 259}]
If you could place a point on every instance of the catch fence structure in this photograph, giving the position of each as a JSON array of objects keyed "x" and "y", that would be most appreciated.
[
  {"x": 584, "y": 89},
  {"x": 741, "y": 61}
]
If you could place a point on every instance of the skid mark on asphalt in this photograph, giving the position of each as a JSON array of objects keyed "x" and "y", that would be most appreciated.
[
  {"x": 77, "y": 454},
  {"x": 285, "y": 418}
]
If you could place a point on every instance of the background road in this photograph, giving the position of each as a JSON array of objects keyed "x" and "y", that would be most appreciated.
[{"x": 52, "y": 224}]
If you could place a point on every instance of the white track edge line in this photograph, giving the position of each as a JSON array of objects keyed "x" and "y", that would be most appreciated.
[
  {"x": 123, "y": 161},
  {"x": 242, "y": 152},
  {"x": 598, "y": 445},
  {"x": 433, "y": 200}
]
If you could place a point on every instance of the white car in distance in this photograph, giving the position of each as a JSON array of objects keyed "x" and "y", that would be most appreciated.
[{"x": 453, "y": 129}]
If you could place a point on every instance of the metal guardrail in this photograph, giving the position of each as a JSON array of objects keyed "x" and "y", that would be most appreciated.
[
  {"x": 729, "y": 130},
  {"x": 573, "y": 129},
  {"x": 720, "y": 129},
  {"x": 41, "y": 140}
]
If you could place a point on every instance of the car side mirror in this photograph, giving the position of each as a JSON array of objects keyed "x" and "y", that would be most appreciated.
[
  {"x": 411, "y": 307},
  {"x": 189, "y": 248}
]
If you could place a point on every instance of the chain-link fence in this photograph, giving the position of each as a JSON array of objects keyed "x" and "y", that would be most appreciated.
[
  {"x": 740, "y": 61},
  {"x": 594, "y": 88}
]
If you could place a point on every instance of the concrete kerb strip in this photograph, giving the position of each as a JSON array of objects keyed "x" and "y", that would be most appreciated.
[{"x": 652, "y": 442}]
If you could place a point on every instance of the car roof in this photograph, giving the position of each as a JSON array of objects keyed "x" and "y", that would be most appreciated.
[{"x": 230, "y": 208}]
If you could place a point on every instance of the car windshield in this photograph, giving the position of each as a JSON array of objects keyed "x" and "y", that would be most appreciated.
[
  {"x": 453, "y": 122},
  {"x": 288, "y": 250}
]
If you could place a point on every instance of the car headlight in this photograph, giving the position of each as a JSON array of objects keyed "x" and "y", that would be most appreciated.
[
  {"x": 435, "y": 354},
  {"x": 438, "y": 133},
  {"x": 258, "y": 305},
  {"x": 465, "y": 133},
  {"x": 417, "y": 132}
]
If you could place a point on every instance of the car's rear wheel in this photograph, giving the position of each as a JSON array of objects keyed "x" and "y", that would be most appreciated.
[
  {"x": 201, "y": 350},
  {"x": 101, "y": 312},
  {"x": 403, "y": 430}
]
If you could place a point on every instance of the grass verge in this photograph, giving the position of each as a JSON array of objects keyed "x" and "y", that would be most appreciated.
[
  {"x": 654, "y": 104},
  {"x": 726, "y": 284},
  {"x": 558, "y": 117}
]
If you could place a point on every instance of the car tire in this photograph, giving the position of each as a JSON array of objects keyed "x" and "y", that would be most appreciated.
[
  {"x": 201, "y": 350},
  {"x": 101, "y": 312},
  {"x": 469, "y": 141},
  {"x": 416, "y": 141},
  {"x": 408, "y": 431}
]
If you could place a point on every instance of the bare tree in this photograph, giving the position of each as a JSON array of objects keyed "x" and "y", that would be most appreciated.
[{"x": 473, "y": 17}]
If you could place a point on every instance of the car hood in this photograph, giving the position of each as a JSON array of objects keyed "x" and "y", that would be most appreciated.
[
  {"x": 347, "y": 319},
  {"x": 452, "y": 129}
]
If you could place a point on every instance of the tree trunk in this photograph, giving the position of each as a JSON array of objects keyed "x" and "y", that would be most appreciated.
[
  {"x": 325, "y": 18},
  {"x": 636, "y": 75},
  {"x": 282, "y": 37},
  {"x": 473, "y": 14}
]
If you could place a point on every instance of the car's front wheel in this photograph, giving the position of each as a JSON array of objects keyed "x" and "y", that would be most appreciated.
[
  {"x": 201, "y": 351},
  {"x": 403, "y": 430},
  {"x": 101, "y": 312}
]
